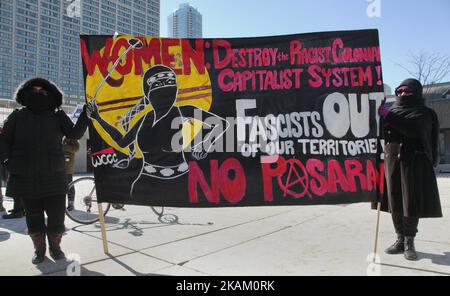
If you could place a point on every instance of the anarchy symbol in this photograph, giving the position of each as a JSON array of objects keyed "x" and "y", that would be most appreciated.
[{"x": 297, "y": 180}]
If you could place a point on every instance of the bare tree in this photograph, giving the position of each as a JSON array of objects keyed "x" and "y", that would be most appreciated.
[{"x": 428, "y": 68}]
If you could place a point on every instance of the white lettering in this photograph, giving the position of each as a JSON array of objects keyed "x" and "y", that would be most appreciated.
[{"x": 104, "y": 159}]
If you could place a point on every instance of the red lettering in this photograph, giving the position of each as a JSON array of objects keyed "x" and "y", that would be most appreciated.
[
  {"x": 167, "y": 58},
  {"x": 316, "y": 80},
  {"x": 242, "y": 62},
  {"x": 319, "y": 184},
  {"x": 97, "y": 60},
  {"x": 337, "y": 81},
  {"x": 219, "y": 46},
  {"x": 365, "y": 76},
  {"x": 319, "y": 178},
  {"x": 371, "y": 176},
  {"x": 196, "y": 56},
  {"x": 296, "y": 53},
  {"x": 223, "y": 75},
  {"x": 326, "y": 73},
  {"x": 122, "y": 69},
  {"x": 232, "y": 189},
  {"x": 381, "y": 179},
  {"x": 268, "y": 173},
  {"x": 337, "y": 44},
  {"x": 150, "y": 54},
  {"x": 336, "y": 176},
  {"x": 354, "y": 170},
  {"x": 196, "y": 176},
  {"x": 375, "y": 180}
]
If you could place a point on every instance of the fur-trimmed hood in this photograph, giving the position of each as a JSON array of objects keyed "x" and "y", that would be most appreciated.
[{"x": 23, "y": 91}]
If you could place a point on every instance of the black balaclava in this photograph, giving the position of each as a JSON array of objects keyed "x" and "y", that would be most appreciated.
[
  {"x": 160, "y": 88},
  {"x": 39, "y": 102},
  {"x": 416, "y": 99},
  {"x": 48, "y": 99}
]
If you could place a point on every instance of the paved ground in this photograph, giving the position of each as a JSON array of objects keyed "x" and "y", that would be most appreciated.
[{"x": 325, "y": 240}]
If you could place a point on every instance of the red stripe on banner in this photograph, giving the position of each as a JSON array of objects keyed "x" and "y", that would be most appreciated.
[
  {"x": 183, "y": 91},
  {"x": 193, "y": 89},
  {"x": 117, "y": 108},
  {"x": 118, "y": 101},
  {"x": 196, "y": 97}
]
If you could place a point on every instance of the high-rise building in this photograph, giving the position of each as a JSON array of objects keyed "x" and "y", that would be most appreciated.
[
  {"x": 41, "y": 37},
  {"x": 185, "y": 22}
]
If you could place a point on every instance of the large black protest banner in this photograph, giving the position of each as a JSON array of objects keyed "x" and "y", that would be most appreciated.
[{"x": 284, "y": 120}]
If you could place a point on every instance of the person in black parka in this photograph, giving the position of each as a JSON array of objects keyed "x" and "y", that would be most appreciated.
[
  {"x": 411, "y": 134},
  {"x": 31, "y": 148}
]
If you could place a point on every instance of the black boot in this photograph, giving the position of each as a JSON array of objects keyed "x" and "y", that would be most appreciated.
[
  {"x": 54, "y": 241},
  {"x": 39, "y": 247},
  {"x": 398, "y": 247},
  {"x": 410, "y": 250},
  {"x": 14, "y": 215}
]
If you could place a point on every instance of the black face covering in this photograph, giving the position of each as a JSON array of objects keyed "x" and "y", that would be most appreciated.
[
  {"x": 415, "y": 100},
  {"x": 160, "y": 88},
  {"x": 39, "y": 102},
  {"x": 162, "y": 100},
  {"x": 409, "y": 106}
]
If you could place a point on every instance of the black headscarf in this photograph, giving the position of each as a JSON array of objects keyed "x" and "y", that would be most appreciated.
[
  {"x": 409, "y": 103},
  {"x": 413, "y": 108}
]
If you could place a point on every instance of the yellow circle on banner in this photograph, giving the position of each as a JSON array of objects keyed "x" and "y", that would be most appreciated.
[{"x": 115, "y": 101}]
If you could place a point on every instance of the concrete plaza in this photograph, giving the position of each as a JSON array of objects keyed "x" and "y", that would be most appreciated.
[{"x": 268, "y": 241}]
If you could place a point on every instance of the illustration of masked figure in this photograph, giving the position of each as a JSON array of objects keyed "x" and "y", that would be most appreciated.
[{"x": 154, "y": 134}]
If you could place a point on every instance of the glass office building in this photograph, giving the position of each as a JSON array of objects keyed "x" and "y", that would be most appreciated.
[
  {"x": 185, "y": 22},
  {"x": 41, "y": 37}
]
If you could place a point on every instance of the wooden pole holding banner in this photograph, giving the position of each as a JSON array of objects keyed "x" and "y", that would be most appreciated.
[
  {"x": 101, "y": 214},
  {"x": 103, "y": 228},
  {"x": 377, "y": 232},
  {"x": 377, "y": 228}
]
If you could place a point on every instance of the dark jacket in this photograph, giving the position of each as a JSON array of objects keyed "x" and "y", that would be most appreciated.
[
  {"x": 411, "y": 151},
  {"x": 31, "y": 148}
]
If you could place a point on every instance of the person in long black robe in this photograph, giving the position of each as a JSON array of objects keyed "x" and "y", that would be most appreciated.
[{"x": 411, "y": 134}]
